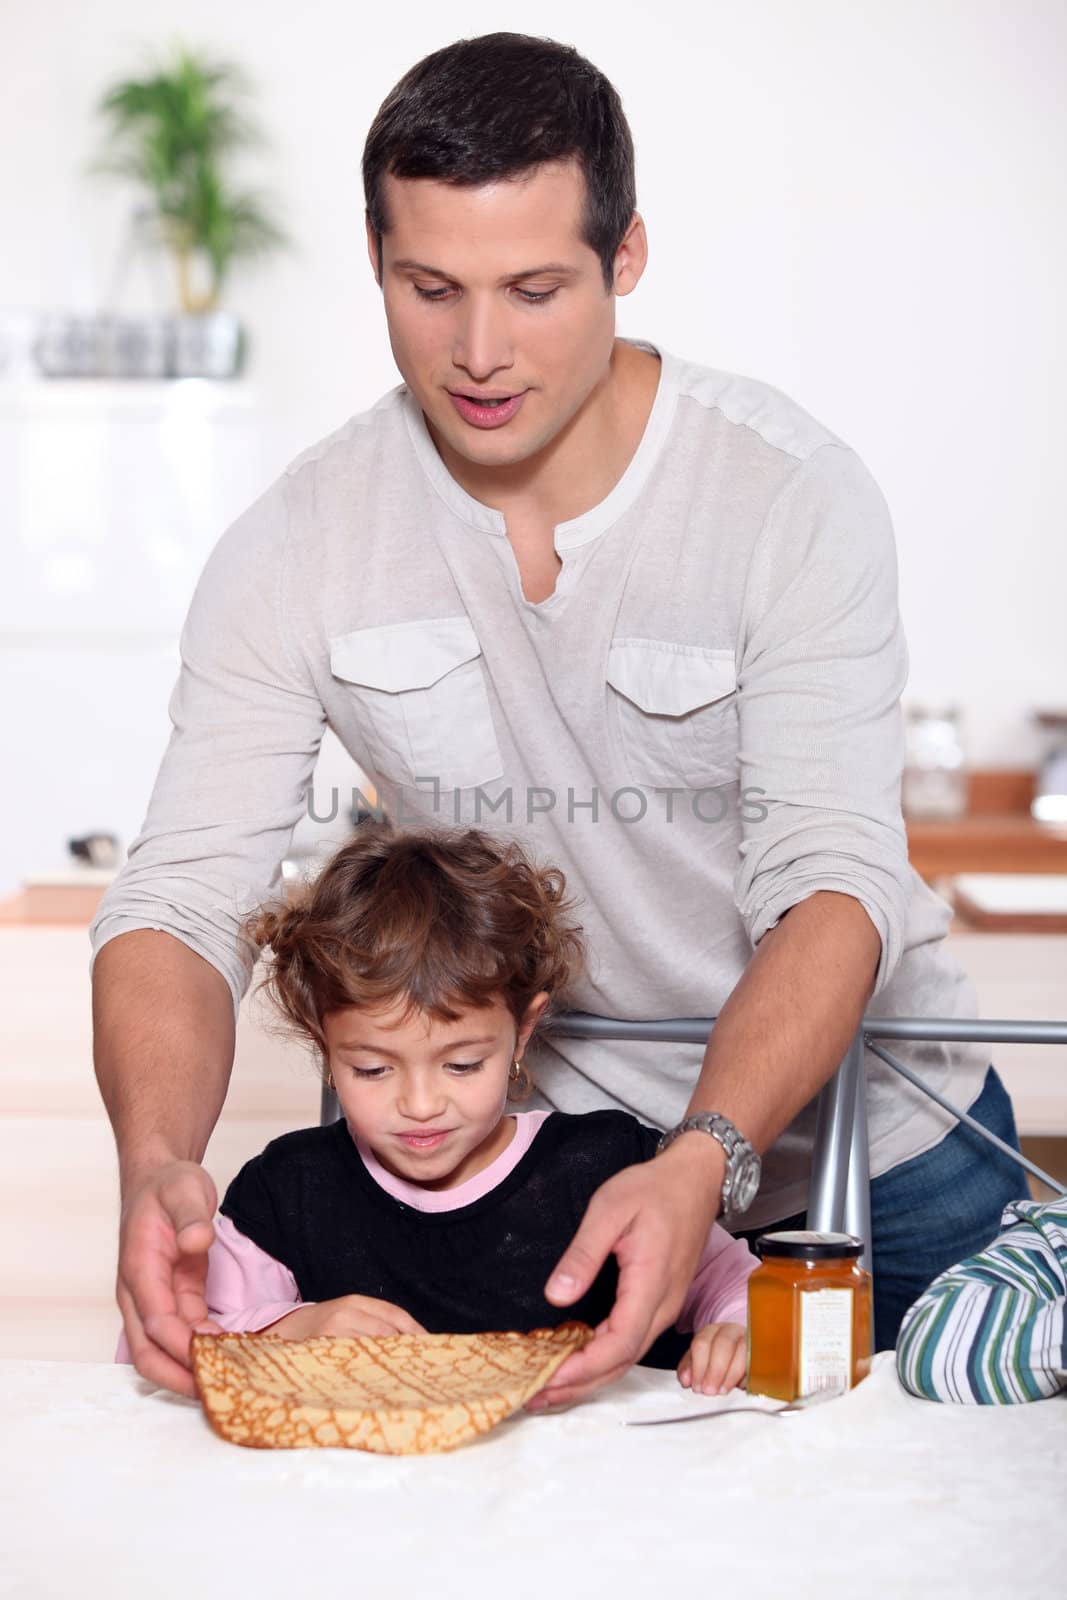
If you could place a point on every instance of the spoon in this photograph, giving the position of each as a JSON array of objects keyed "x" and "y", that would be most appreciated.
[{"x": 733, "y": 1411}]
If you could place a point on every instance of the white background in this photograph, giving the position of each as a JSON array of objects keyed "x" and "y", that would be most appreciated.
[{"x": 860, "y": 203}]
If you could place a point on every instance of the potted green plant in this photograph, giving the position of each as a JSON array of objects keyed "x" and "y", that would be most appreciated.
[{"x": 174, "y": 132}]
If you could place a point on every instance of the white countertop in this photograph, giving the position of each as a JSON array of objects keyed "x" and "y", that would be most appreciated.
[{"x": 110, "y": 1486}]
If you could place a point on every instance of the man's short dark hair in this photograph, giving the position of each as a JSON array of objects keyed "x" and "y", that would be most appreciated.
[{"x": 496, "y": 107}]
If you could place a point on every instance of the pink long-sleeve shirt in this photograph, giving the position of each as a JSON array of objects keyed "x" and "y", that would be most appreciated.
[{"x": 247, "y": 1289}]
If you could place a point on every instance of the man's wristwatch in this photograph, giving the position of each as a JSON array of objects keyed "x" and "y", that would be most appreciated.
[{"x": 743, "y": 1165}]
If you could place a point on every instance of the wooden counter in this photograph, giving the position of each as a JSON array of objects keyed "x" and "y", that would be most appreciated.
[
  {"x": 997, "y": 833},
  {"x": 987, "y": 843}
]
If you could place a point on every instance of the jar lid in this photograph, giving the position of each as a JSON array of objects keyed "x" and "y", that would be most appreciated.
[{"x": 802, "y": 1245}]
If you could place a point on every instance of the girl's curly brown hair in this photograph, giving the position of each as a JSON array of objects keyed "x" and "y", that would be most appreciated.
[{"x": 444, "y": 918}]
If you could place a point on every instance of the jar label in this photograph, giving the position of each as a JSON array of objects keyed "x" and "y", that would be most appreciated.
[{"x": 825, "y": 1340}]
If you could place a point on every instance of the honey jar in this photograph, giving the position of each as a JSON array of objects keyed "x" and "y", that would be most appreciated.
[{"x": 809, "y": 1315}]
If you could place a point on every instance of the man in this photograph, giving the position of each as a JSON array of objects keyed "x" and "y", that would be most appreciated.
[{"x": 640, "y": 611}]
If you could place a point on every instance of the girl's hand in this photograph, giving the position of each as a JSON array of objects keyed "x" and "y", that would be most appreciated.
[
  {"x": 715, "y": 1361},
  {"x": 345, "y": 1318}
]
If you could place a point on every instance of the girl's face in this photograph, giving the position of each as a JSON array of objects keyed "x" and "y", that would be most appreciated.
[{"x": 428, "y": 1096}]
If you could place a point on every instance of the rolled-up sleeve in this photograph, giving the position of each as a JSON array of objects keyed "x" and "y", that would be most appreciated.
[
  {"x": 822, "y": 663},
  {"x": 247, "y": 723}
]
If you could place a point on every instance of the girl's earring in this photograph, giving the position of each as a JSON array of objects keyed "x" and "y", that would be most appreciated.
[
  {"x": 515, "y": 1074},
  {"x": 329, "y": 1081}
]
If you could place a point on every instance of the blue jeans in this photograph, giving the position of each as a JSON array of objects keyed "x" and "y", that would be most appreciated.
[{"x": 930, "y": 1212}]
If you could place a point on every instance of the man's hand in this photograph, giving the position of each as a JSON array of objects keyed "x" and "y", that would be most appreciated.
[
  {"x": 655, "y": 1218},
  {"x": 165, "y": 1233}
]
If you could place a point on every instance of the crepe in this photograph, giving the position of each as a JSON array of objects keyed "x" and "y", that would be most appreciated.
[{"x": 408, "y": 1394}]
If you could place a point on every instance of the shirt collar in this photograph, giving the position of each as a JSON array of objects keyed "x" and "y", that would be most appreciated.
[{"x": 579, "y": 530}]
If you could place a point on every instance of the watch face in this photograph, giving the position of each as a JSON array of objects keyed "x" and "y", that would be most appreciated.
[{"x": 747, "y": 1182}]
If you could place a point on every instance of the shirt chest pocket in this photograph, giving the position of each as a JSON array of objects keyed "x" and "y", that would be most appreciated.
[
  {"x": 674, "y": 708},
  {"x": 418, "y": 694}
]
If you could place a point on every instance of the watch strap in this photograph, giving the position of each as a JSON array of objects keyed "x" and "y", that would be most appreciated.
[{"x": 734, "y": 1144}]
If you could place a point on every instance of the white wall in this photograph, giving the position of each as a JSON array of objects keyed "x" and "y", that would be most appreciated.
[{"x": 861, "y": 203}]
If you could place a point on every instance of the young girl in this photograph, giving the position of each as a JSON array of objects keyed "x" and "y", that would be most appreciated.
[{"x": 419, "y": 965}]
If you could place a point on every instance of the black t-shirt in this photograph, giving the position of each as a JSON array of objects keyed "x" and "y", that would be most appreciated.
[{"x": 309, "y": 1201}]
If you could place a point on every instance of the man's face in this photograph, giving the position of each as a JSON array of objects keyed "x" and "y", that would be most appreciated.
[{"x": 490, "y": 292}]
